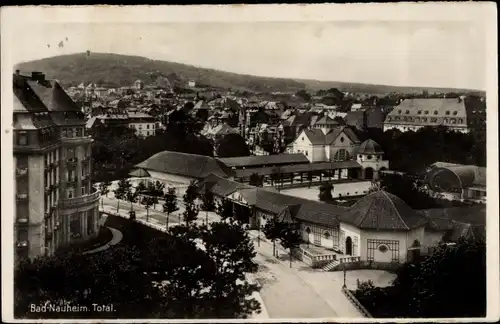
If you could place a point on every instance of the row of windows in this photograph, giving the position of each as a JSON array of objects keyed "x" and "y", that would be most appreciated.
[
  {"x": 424, "y": 119},
  {"x": 73, "y": 132},
  {"x": 426, "y": 112},
  {"x": 384, "y": 246}
]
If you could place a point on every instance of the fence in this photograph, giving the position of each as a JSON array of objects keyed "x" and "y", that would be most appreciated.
[
  {"x": 360, "y": 265},
  {"x": 356, "y": 302}
]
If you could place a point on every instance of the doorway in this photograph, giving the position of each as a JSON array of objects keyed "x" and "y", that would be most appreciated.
[{"x": 348, "y": 246}]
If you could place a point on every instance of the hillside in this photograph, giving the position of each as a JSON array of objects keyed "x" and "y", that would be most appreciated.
[{"x": 123, "y": 70}]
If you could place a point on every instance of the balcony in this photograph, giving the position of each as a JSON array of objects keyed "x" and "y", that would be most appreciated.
[
  {"x": 81, "y": 200},
  {"x": 22, "y": 244},
  {"x": 21, "y": 172},
  {"x": 22, "y": 196},
  {"x": 71, "y": 162},
  {"x": 22, "y": 220},
  {"x": 72, "y": 181},
  {"x": 76, "y": 140}
]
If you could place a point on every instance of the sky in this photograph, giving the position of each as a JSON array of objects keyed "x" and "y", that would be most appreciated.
[{"x": 426, "y": 53}]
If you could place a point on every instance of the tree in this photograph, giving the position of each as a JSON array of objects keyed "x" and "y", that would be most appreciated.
[
  {"x": 190, "y": 214},
  {"x": 289, "y": 238},
  {"x": 104, "y": 189},
  {"x": 256, "y": 180},
  {"x": 276, "y": 175},
  {"x": 226, "y": 209},
  {"x": 208, "y": 201},
  {"x": 272, "y": 230},
  {"x": 302, "y": 94},
  {"x": 232, "y": 252},
  {"x": 148, "y": 201},
  {"x": 170, "y": 204},
  {"x": 83, "y": 280},
  {"x": 156, "y": 189},
  {"x": 141, "y": 187},
  {"x": 232, "y": 145},
  {"x": 131, "y": 195},
  {"x": 121, "y": 191},
  {"x": 325, "y": 192}
]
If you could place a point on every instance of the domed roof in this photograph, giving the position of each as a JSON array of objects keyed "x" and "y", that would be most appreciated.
[
  {"x": 370, "y": 147},
  {"x": 381, "y": 210}
]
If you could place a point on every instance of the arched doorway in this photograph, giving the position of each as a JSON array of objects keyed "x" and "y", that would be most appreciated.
[
  {"x": 348, "y": 246},
  {"x": 414, "y": 251},
  {"x": 368, "y": 173}
]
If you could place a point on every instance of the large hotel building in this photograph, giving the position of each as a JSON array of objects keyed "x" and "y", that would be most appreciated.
[{"x": 55, "y": 203}]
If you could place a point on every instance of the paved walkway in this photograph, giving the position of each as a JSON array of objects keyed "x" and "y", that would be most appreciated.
[{"x": 117, "y": 237}]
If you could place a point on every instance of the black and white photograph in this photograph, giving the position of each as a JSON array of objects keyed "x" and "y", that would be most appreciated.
[{"x": 330, "y": 162}]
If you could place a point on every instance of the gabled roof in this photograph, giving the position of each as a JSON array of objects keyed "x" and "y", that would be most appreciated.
[
  {"x": 317, "y": 137},
  {"x": 326, "y": 121},
  {"x": 184, "y": 164},
  {"x": 381, "y": 210}
]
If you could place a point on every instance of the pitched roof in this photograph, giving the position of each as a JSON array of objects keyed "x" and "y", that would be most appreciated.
[
  {"x": 475, "y": 214},
  {"x": 326, "y": 121},
  {"x": 370, "y": 147},
  {"x": 220, "y": 186},
  {"x": 184, "y": 164},
  {"x": 469, "y": 175},
  {"x": 381, "y": 210},
  {"x": 53, "y": 96},
  {"x": 436, "y": 107},
  {"x": 253, "y": 160},
  {"x": 315, "y": 212}
]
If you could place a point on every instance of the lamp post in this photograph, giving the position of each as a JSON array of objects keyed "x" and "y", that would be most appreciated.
[{"x": 344, "y": 286}]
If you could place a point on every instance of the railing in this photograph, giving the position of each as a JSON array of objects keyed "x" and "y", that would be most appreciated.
[
  {"x": 356, "y": 302},
  {"x": 22, "y": 244},
  {"x": 22, "y": 220},
  {"x": 349, "y": 259},
  {"x": 22, "y": 196},
  {"x": 80, "y": 200},
  {"x": 21, "y": 171},
  {"x": 76, "y": 139}
]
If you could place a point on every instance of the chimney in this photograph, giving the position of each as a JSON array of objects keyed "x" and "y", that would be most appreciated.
[
  {"x": 38, "y": 76},
  {"x": 18, "y": 72}
]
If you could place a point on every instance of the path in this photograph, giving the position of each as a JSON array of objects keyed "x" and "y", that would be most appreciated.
[
  {"x": 117, "y": 237},
  {"x": 298, "y": 292}
]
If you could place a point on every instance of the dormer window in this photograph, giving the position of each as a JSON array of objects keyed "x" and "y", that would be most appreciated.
[
  {"x": 342, "y": 140},
  {"x": 419, "y": 112},
  {"x": 435, "y": 112},
  {"x": 447, "y": 112},
  {"x": 455, "y": 113},
  {"x": 399, "y": 111},
  {"x": 407, "y": 112},
  {"x": 426, "y": 112}
]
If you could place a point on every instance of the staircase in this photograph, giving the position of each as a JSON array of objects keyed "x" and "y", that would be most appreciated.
[{"x": 329, "y": 266}]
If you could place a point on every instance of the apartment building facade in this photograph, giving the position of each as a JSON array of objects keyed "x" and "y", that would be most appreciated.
[{"x": 55, "y": 203}]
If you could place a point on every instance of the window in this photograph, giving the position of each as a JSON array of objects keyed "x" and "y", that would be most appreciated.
[
  {"x": 70, "y": 153},
  {"x": 447, "y": 112},
  {"x": 84, "y": 190},
  {"x": 341, "y": 139},
  {"x": 445, "y": 120},
  {"x": 453, "y": 121},
  {"x": 383, "y": 246},
  {"x": 460, "y": 120},
  {"x": 22, "y": 138},
  {"x": 308, "y": 230},
  {"x": 360, "y": 156},
  {"x": 341, "y": 155},
  {"x": 399, "y": 111},
  {"x": 307, "y": 153},
  {"x": 302, "y": 137},
  {"x": 417, "y": 119},
  {"x": 75, "y": 226},
  {"x": 147, "y": 126},
  {"x": 407, "y": 112},
  {"x": 426, "y": 112},
  {"x": 327, "y": 235},
  {"x": 369, "y": 157},
  {"x": 389, "y": 118},
  {"x": 419, "y": 112},
  {"x": 70, "y": 193},
  {"x": 435, "y": 112},
  {"x": 424, "y": 119}
]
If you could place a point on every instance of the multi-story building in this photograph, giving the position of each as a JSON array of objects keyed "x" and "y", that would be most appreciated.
[
  {"x": 55, "y": 203},
  {"x": 458, "y": 114},
  {"x": 143, "y": 124}
]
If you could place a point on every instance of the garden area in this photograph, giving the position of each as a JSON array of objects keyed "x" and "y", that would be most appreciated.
[{"x": 449, "y": 283}]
